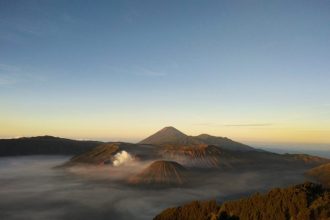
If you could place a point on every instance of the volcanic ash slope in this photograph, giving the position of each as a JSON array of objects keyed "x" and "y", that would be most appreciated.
[{"x": 161, "y": 173}]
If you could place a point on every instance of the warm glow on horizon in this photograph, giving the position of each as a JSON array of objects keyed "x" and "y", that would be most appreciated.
[{"x": 131, "y": 131}]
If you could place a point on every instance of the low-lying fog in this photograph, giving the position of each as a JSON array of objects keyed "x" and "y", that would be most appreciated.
[{"x": 31, "y": 189}]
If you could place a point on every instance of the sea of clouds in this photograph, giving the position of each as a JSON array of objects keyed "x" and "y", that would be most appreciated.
[{"x": 30, "y": 188}]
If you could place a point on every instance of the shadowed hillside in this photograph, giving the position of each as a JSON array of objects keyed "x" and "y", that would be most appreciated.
[
  {"x": 223, "y": 142},
  {"x": 104, "y": 153},
  {"x": 44, "y": 145},
  {"x": 321, "y": 174},
  {"x": 98, "y": 155},
  {"x": 202, "y": 156},
  {"x": 307, "y": 201}
]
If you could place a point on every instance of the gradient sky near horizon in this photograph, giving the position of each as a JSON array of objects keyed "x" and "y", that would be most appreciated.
[{"x": 254, "y": 71}]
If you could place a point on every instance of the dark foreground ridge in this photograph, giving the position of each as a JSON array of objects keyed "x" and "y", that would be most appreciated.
[{"x": 307, "y": 201}]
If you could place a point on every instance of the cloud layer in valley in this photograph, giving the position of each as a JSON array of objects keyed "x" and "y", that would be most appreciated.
[{"x": 31, "y": 189}]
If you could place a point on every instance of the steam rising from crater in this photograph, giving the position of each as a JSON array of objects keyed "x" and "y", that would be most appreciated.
[{"x": 121, "y": 158}]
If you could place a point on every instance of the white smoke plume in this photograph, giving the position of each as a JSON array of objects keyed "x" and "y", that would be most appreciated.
[{"x": 121, "y": 158}]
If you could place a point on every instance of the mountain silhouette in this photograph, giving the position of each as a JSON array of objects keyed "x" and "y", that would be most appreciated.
[
  {"x": 44, "y": 145},
  {"x": 173, "y": 137}
]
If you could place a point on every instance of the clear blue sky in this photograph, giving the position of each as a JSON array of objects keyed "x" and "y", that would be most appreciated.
[{"x": 250, "y": 70}]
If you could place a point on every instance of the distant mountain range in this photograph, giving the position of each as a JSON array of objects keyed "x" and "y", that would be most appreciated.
[
  {"x": 49, "y": 145},
  {"x": 302, "y": 202},
  {"x": 172, "y": 145},
  {"x": 44, "y": 145},
  {"x": 172, "y": 136},
  {"x": 172, "y": 154},
  {"x": 169, "y": 144}
]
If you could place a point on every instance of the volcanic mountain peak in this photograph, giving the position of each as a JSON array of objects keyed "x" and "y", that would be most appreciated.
[
  {"x": 161, "y": 173},
  {"x": 162, "y": 164},
  {"x": 171, "y": 132},
  {"x": 174, "y": 137},
  {"x": 171, "y": 129},
  {"x": 169, "y": 135},
  {"x": 98, "y": 155}
]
